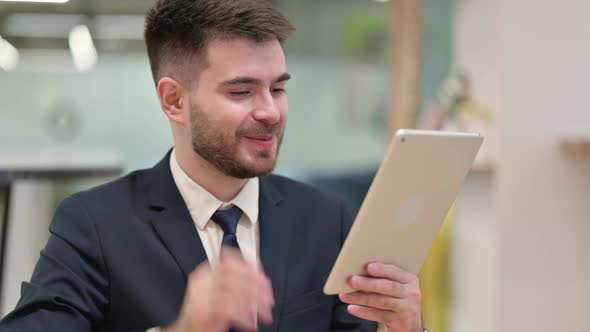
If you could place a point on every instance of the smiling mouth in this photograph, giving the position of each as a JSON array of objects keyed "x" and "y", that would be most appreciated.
[{"x": 265, "y": 141}]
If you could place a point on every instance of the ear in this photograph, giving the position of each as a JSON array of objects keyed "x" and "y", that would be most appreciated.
[{"x": 174, "y": 100}]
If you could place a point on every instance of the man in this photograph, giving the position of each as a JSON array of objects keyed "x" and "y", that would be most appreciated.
[{"x": 146, "y": 250}]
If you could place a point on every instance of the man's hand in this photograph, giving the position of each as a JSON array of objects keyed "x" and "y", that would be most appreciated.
[
  {"x": 234, "y": 294},
  {"x": 388, "y": 295}
]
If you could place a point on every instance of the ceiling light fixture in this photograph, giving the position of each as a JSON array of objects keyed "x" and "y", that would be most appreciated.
[{"x": 82, "y": 48}]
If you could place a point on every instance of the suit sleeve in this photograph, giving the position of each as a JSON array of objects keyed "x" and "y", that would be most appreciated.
[
  {"x": 69, "y": 287},
  {"x": 341, "y": 319}
]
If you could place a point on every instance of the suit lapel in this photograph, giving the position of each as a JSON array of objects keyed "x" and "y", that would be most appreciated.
[
  {"x": 174, "y": 226},
  {"x": 275, "y": 227},
  {"x": 172, "y": 221}
]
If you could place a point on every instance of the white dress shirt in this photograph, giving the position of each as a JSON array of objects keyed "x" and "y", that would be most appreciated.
[{"x": 202, "y": 204}]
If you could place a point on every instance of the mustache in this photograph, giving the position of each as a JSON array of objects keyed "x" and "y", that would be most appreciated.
[{"x": 260, "y": 130}]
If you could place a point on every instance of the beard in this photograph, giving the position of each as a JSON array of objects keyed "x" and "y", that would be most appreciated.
[{"x": 221, "y": 148}]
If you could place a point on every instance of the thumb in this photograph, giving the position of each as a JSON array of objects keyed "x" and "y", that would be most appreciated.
[{"x": 229, "y": 253}]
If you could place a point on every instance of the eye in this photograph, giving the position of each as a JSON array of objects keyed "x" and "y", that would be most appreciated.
[
  {"x": 279, "y": 90},
  {"x": 240, "y": 93}
]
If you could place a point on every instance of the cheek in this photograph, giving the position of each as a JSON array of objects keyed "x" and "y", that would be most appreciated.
[
  {"x": 233, "y": 123},
  {"x": 224, "y": 114},
  {"x": 284, "y": 108}
]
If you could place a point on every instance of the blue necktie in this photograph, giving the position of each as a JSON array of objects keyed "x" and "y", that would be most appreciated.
[{"x": 228, "y": 221}]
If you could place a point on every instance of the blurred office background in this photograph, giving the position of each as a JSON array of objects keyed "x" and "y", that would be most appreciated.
[{"x": 78, "y": 107}]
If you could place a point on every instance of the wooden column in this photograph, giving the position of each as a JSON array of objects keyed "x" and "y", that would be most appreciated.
[
  {"x": 407, "y": 62},
  {"x": 407, "y": 17}
]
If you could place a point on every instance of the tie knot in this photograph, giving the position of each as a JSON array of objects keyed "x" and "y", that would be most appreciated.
[{"x": 228, "y": 219}]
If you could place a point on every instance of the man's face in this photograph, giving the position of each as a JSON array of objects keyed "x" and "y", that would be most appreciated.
[{"x": 239, "y": 107}]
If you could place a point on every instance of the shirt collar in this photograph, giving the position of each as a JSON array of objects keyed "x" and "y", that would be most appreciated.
[{"x": 202, "y": 204}]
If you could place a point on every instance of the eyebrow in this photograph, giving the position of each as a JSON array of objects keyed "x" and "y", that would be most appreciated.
[{"x": 251, "y": 80}]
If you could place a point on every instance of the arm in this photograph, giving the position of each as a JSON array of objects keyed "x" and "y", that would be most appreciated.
[
  {"x": 341, "y": 319},
  {"x": 69, "y": 287}
]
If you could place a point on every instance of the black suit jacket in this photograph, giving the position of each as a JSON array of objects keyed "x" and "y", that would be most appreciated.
[{"x": 119, "y": 255}]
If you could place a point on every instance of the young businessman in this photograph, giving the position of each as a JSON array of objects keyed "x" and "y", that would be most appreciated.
[{"x": 208, "y": 240}]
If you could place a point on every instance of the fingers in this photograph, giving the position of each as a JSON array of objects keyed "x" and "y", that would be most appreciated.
[
  {"x": 378, "y": 285},
  {"x": 247, "y": 285},
  {"x": 372, "y": 314},
  {"x": 377, "y": 301},
  {"x": 387, "y": 295},
  {"x": 232, "y": 254},
  {"x": 241, "y": 314},
  {"x": 230, "y": 303},
  {"x": 235, "y": 293},
  {"x": 408, "y": 319},
  {"x": 389, "y": 271}
]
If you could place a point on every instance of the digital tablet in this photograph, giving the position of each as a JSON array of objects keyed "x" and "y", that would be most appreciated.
[{"x": 406, "y": 204}]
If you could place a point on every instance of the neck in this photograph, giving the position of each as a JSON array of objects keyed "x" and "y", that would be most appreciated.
[{"x": 222, "y": 186}]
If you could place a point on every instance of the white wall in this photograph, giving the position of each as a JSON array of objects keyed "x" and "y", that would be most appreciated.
[
  {"x": 543, "y": 194},
  {"x": 474, "y": 245},
  {"x": 531, "y": 62}
]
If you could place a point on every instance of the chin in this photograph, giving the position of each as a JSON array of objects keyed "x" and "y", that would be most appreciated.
[
  {"x": 250, "y": 172},
  {"x": 262, "y": 169},
  {"x": 257, "y": 169},
  {"x": 256, "y": 164}
]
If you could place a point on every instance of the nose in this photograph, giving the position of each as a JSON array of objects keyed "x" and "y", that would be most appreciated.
[{"x": 267, "y": 110}]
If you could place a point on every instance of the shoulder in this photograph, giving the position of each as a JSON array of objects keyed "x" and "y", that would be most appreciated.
[
  {"x": 293, "y": 189},
  {"x": 117, "y": 190},
  {"x": 82, "y": 214},
  {"x": 305, "y": 198},
  {"x": 106, "y": 200}
]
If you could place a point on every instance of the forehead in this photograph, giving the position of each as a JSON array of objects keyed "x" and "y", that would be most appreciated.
[{"x": 227, "y": 59}]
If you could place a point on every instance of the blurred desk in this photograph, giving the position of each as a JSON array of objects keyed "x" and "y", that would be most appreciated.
[{"x": 27, "y": 182}]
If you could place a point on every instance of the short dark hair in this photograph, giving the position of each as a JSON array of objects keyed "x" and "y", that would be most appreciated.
[{"x": 177, "y": 31}]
